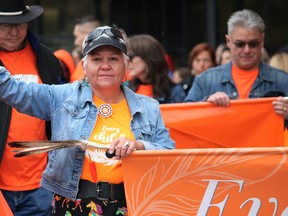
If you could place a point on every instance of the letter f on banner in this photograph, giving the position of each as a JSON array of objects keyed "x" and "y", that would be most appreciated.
[{"x": 208, "y": 196}]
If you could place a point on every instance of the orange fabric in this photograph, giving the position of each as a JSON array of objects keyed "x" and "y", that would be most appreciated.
[
  {"x": 286, "y": 137},
  {"x": 4, "y": 207},
  {"x": 243, "y": 80},
  {"x": 234, "y": 181},
  {"x": 245, "y": 123},
  {"x": 97, "y": 167},
  {"x": 78, "y": 73},
  {"x": 127, "y": 75},
  {"x": 66, "y": 58},
  {"x": 17, "y": 174},
  {"x": 145, "y": 90}
]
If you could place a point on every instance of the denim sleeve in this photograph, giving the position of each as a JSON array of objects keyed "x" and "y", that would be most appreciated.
[
  {"x": 162, "y": 134},
  {"x": 160, "y": 139},
  {"x": 32, "y": 99},
  {"x": 195, "y": 94}
]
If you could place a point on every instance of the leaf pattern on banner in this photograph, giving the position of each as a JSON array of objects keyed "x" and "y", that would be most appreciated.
[{"x": 156, "y": 201}]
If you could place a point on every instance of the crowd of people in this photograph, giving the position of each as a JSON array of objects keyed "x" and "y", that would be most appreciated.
[{"x": 108, "y": 91}]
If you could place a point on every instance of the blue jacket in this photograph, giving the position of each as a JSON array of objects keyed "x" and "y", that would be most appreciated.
[
  {"x": 220, "y": 79},
  {"x": 73, "y": 116},
  {"x": 177, "y": 95}
]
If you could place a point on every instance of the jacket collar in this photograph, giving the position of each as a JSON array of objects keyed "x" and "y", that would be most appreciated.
[{"x": 264, "y": 73}]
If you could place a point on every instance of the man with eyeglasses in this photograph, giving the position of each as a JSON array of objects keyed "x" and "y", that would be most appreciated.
[
  {"x": 245, "y": 76},
  {"x": 29, "y": 61}
]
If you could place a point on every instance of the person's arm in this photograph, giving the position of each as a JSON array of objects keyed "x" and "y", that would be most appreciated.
[
  {"x": 32, "y": 99},
  {"x": 160, "y": 135},
  {"x": 195, "y": 94}
]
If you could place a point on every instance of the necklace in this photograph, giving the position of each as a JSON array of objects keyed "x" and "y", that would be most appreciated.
[{"x": 105, "y": 110}]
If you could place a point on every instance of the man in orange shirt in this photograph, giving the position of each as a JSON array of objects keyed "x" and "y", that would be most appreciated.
[
  {"x": 28, "y": 60},
  {"x": 245, "y": 76}
]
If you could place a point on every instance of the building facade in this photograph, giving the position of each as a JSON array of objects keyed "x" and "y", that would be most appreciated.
[{"x": 178, "y": 25}]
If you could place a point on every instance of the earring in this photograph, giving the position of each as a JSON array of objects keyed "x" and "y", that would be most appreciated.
[{"x": 85, "y": 81}]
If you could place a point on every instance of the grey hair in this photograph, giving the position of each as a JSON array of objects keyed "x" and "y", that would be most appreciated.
[
  {"x": 247, "y": 19},
  {"x": 125, "y": 57}
]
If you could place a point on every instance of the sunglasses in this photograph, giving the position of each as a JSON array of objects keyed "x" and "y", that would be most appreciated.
[
  {"x": 251, "y": 44},
  {"x": 112, "y": 32}
]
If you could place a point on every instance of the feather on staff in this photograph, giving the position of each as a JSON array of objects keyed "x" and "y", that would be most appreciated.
[{"x": 37, "y": 147}]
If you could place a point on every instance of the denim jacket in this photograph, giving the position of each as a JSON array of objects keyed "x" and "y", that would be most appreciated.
[
  {"x": 220, "y": 79},
  {"x": 73, "y": 116}
]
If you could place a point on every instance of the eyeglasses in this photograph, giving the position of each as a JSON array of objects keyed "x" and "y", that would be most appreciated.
[
  {"x": 251, "y": 44},
  {"x": 112, "y": 32},
  {"x": 9, "y": 27}
]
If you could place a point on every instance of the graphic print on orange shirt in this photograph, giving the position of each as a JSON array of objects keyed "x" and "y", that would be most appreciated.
[{"x": 105, "y": 131}]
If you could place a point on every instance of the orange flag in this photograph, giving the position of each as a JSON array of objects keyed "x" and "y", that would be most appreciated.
[
  {"x": 245, "y": 123},
  {"x": 4, "y": 207},
  {"x": 216, "y": 181}
]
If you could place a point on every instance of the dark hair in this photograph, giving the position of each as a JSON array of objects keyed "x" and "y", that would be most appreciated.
[
  {"x": 197, "y": 49},
  {"x": 184, "y": 72},
  {"x": 152, "y": 52}
]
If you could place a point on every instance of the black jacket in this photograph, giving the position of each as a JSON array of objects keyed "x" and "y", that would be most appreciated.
[{"x": 49, "y": 70}]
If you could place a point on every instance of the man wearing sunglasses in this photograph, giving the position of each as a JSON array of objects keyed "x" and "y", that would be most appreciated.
[{"x": 245, "y": 76}]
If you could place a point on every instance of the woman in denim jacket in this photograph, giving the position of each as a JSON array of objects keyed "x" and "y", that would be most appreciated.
[{"x": 99, "y": 109}]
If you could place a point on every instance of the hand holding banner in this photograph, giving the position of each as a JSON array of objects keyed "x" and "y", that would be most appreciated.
[{"x": 245, "y": 123}]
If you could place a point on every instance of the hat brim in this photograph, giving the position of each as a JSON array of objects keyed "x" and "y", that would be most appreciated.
[
  {"x": 104, "y": 41},
  {"x": 33, "y": 12}
]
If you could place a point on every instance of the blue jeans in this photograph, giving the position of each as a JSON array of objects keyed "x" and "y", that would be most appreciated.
[{"x": 33, "y": 202}]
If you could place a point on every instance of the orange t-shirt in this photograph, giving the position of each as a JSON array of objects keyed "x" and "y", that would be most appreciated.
[
  {"x": 145, "y": 90},
  {"x": 286, "y": 137},
  {"x": 78, "y": 73},
  {"x": 18, "y": 174},
  {"x": 244, "y": 80},
  {"x": 97, "y": 167}
]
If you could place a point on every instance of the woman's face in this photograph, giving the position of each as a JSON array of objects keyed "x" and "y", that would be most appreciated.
[
  {"x": 225, "y": 57},
  {"x": 105, "y": 67},
  {"x": 201, "y": 62},
  {"x": 138, "y": 68}
]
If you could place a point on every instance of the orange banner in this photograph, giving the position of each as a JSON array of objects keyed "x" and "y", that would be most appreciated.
[
  {"x": 219, "y": 181},
  {"x": 4, "y": 207},
  {"x": 245, "y": 123}
]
